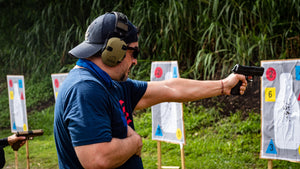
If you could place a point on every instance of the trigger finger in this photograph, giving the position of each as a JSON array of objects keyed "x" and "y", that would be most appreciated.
[{"x": 242, "y": 88}]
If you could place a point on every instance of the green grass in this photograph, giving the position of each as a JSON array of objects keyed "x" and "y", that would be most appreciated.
[
  {"x": 42, "y": 154},
  {"x": 212, "y": 141},
  {"x": 42, "y": 151}
]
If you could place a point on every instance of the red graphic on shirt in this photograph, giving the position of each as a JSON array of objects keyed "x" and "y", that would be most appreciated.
[
  {"x": 299, "y": 97},
  {"x": 158, "y": 72},
  {"x": 124, "y": 111}
]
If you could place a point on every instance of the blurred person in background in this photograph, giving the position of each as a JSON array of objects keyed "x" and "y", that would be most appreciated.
[{"x": 10, "y": 140}]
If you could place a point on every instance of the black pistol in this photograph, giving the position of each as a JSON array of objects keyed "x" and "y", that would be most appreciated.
[
  {"x": 29, "y": 136},
  {"x": 249, "y": 72}
]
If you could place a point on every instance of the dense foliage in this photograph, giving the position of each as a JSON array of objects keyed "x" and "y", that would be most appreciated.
[{"x": 206, "y": 36}]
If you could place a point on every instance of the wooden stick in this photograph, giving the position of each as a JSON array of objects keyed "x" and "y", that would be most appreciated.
[
  {"x": 27, "y": 155},
  {"x": 158, "y": 154},
  {"x": 270, "y": 164},
  {"x": 182, "y": 156},
  {"x": 16, "y": 159}
]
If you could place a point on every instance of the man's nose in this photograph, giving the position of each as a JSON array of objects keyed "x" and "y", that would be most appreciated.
[{"x": 134, "y": 61}]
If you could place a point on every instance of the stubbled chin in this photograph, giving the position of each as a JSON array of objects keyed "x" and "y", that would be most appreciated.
[{"x": 125, "y": 75}]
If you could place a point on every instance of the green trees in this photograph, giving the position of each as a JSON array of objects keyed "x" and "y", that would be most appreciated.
[{"x": 207, "y": 37}]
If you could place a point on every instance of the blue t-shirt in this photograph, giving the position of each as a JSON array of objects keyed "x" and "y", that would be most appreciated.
[{"x": 91, "y": 110}]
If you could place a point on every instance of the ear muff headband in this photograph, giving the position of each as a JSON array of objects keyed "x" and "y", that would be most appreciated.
[
  {"x": 121, "y": 25},
  {"x": 115, "y": 48}
]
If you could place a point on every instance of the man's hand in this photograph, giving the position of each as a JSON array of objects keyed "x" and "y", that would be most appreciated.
[
  {"x": 110, "y": 154},
  {"x": 138, "y": 140},
  {"x": 232, "y": 80},
  {"x": 13, "y": 139}
]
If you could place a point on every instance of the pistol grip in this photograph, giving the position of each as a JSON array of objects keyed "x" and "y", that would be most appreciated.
[
  {"x": 236, "y": 89},
  {"x": 16, "y": 145}
]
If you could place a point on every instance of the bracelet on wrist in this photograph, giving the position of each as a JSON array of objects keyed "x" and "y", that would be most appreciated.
[{"x": 222, "y": 92}]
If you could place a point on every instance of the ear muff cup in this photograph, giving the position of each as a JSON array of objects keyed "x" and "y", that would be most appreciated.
[{"x": 114, "y": 51}]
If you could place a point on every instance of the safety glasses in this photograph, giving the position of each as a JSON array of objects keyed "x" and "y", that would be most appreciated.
[{"x": 136, "y": 51}]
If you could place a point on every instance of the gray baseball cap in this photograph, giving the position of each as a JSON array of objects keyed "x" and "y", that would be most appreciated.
[{"x": 98, "y": 32}]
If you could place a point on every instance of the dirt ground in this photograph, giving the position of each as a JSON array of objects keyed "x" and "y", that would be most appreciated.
[{"x": 230, "y": 104}]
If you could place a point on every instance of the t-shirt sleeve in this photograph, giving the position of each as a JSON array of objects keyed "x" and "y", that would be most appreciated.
[
  {"x": 4, "y": 142},
  {"x": 137, "y": 90},
  {"x": 2, "y": 157},
  {"x": 88, "y": 117}
]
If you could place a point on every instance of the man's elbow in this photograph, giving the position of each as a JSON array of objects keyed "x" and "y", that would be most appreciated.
[{"x": 100, "y": 164}]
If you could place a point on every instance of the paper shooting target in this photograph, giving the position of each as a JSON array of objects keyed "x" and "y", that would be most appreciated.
[
  {"x": 167, "y": 117},
  {"x": 17, "y": 103},
  {"x": 280, "y": 99},
  {"x": 57, "y": 80}
]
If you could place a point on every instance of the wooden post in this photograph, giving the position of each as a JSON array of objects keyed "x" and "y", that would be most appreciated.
[
  {"x": 182, "y": 156},
  {"x": 158, "y": 154},
  {"x": 27, "y": 155},
  {"x": 270, "y": 164},
  {"x": 16, "y": 159}
]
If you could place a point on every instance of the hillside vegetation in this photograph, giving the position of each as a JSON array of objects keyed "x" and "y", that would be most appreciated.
[{"x": 206, "y": 37}]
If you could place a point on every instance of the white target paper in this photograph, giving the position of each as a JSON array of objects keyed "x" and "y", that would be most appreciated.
[
  {"x": 281, "y": 110},
  {"x": 57, "y": 80},
  {"x": 167, "y": 118},
  {"x": 17, "y": 103}
]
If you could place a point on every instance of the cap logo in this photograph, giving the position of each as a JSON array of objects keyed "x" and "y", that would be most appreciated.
[{"x": 87, "y": 33}]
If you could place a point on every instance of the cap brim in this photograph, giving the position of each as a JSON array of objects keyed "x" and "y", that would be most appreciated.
[{"x": 85, "y": 50}]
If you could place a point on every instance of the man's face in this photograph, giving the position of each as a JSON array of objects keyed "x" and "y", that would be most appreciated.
[{"x": 129, "y": 61}]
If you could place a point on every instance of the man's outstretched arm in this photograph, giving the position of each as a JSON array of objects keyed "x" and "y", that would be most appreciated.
[{"x": 183, "y": 90}]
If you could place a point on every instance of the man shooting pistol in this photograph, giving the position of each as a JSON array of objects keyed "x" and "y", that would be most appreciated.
[
  {"x": 29, "y": 136},
  {"x": 248, "y": 71}
]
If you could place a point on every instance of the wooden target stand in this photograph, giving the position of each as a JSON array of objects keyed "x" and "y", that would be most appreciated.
[
  {"x": 270, "y": 164},
  {"x": 27, "y": 156},
  {"x": 163, "y": 70},
  {"x": 29, "y": 136},
  {"x": 159, "y": 166}
]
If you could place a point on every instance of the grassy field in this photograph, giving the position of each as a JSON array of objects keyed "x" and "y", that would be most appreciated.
[{"x": 212, "y": 141}]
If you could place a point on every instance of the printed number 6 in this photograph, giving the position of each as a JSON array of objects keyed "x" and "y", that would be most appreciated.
[{"x": 270, "y": 94}]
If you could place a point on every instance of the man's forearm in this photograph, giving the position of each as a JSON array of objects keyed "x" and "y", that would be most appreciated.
[
  {"x": 183, "y": 90},
  {"x": 108, "y": 154},
  {"x": 178, "y": 90},
  {"x": 191, "y": 90},
  {"x": 123, "y": 150}
]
